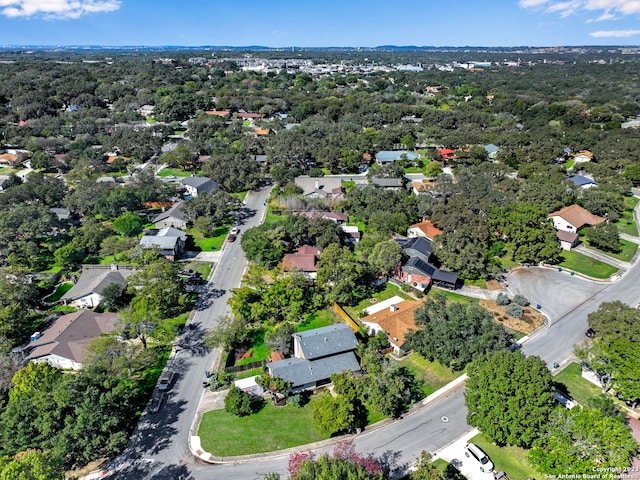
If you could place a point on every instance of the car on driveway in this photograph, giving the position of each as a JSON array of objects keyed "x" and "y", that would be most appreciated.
[{"x": 471, "y": 450}]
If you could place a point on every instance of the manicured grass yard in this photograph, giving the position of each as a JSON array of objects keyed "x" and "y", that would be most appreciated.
[
  {"x": 432, "y": 374},
  {"x": 272, "y": 428},
  {"x": 451, "y": 296},
  {"x": 511, "y": 460},
  {"x": 581, "y": 390},
  {"x": 321, "y": 318},
  {"x": 259, "y": 350},
  {"x": 60, "y": 291},
  {"x": 626, "y": 223},
  {"x": 176, "y": 172},
  {"x": 209, "y": 244},
  {"x": 390, "y": 290},
  {"x": 586, "y": 265}
]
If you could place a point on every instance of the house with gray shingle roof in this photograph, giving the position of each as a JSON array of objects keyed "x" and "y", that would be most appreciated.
[
  {"x": 64, "y": 343},
  {"x": 318, "y": 354},
  {"x": 198, "y": 185},
  {"x": 169, "y": 242},
  {"x": 172, "y": 217},
  {"x": 492, "y": 151},
  {"x": 94, "y": 279}
]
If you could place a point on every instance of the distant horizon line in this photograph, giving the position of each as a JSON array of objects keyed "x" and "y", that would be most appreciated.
[{"x": 294, "y": 47}]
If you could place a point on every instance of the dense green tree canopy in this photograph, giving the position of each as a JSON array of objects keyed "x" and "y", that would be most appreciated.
[{"x": 509, "y": 397}]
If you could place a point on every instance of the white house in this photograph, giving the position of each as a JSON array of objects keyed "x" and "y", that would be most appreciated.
[
  {"x": 94, "y": 279},
  {"x": 64, "y": 343}
]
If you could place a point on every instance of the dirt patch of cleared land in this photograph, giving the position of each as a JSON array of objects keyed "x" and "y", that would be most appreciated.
[{"x": 531, "y": 320}]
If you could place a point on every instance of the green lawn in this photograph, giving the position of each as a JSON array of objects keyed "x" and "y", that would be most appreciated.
[
  {"x": 240, "y": 195},
  {"x": 433, "y": 375},
  {"x": 60, "y": 291},
  {"x": 204, "y": 268},
  {"x": 451, "y": 296},
  {"x": 209, "y": 244},
  {"x": 321, "y": 318},
  {"x": 259, "y": 350},
  {"x": 389, "y": 290},
  {"x": 511, "y": 460},
  {"x": 626, "y": 253},
  {"x": 626, "y": 223},
  {"x": 586, "y": 265},
  {"x": 480, "y": 283},
  {"x": 272, "y": 428},
  {"x": 176, "y": 172},
  {"x": 581, "y": 390}
]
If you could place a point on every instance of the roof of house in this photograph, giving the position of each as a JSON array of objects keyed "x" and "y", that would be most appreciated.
[
  {"x": 565, "y": 236},
  {"x": 325, "y": 341},
  {"x": 446, "y": 151},
  {"x": 202, "y": 184},
  {"x": 393, "y": 155},
  {"x": 417, "y": 265},
  {"x": 577, "y": 216},
  {"x": 396, "y": 322},
  {"x": 420, "y": 245},
  {"x": 584, "y": 153},
  {"x": 174, "y": 212},
  {"x": 219, "y": 113},
  {"x": 388, "y": 182},
  {"x": 247, "y": 115},
  {"x": 95, "y": 280},
  {"x": 165, "y": 238},
  {"x": 581, "y": 180},
  {"x": 443, "y": 276},
  {"x": 428, "y": 228},
  {"x": 299, "y": 371},
  {"x": 69, "y": 335},
  {"x": 304, "y": 260},
  {"x": 319, "y": 185},
  {"x": 491, "y": 148}
]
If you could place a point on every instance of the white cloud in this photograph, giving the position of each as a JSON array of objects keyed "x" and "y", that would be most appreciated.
[
  {"x": 610, "y": 9},
  {"x": 56, "y": 9},
  {"x": 615, "y": 33}
]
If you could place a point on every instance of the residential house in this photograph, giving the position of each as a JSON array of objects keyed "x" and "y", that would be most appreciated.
[
  {"x": 492, "y": 151},
  {"x": 249, "y": 116},
  {"x": 4, "y": 182},
  {"x": 10, "y": 160},
  {"x": 328, "y": 189},
  {"x": 396, "y": 321},
  {"x": 582, "y": 181},
  {"x": 419, "y": 271},
  {"x": 219, "y": 113},
  {"x": 198, "y": 185},
  {"x": 388, "y": 183},
  {"x": 335, "y": 217},
  {"x": 146, "y": 110},
  {"x": 305, "y": 261},
  {"x": 567, "y": 240},
  {"x": 424, "y": 229},
  {"x": 93, "y": 281},
  {"x": 446, "y": 154},
  {"x": 390, "y": 156},
  {"x": 172, "y": 217},
  {"x": 573, "y": 218},
  {"x": 64, "y": 343},
  {"x": 169, "y": 242},
  {"x": 318, "y": 354},
  {"x": 351, "y": 233},
  {"x": 583, "y": 156}
]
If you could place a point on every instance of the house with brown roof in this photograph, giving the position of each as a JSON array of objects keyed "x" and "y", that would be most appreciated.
[
  {"x": 64, "y": 343},
  {"x": 219, "y": 113},
  {"x": 583, "y": 156},
  {"x": 424, "y": 229},
  {"x": 305, "y": 261},
  {"x": 573, "y": 218},
  {"x": 396, "y": 321}
]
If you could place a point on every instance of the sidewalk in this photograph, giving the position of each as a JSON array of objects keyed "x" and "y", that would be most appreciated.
[{"x": 588, "y": 252}]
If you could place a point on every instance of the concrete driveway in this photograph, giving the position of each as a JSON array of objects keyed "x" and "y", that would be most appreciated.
[{"x": 454, "y": 454}]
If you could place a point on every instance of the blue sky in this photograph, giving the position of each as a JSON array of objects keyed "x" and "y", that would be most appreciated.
[{"x": 285, "y": 23}]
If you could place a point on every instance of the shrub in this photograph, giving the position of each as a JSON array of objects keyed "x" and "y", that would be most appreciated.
[
  {"x": 514, "y": 310},
  {"x": 521, "y": 300},
  {"x": 238, "y": 402},
  {"x": 503, "y": 299}
]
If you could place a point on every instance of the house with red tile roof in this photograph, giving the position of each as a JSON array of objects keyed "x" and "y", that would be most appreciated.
[
  {"x": 396, "y": 321},
  {"x": 447, "y": 154},
  {"x": 573, "y": 218},
  {"x": 424, "y": 229}
]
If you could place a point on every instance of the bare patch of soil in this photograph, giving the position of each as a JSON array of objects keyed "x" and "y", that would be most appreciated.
[
  {"x": 494, "y": 285},
  {"x": 89, "y": 468},
  {"x": 531, "y": 320}
]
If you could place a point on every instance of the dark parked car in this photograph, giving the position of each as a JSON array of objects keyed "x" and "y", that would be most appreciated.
[{"x": 591, "y": 333}]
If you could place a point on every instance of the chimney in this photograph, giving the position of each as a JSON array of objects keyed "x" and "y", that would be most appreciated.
[{"x": 393, "y": 308}]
